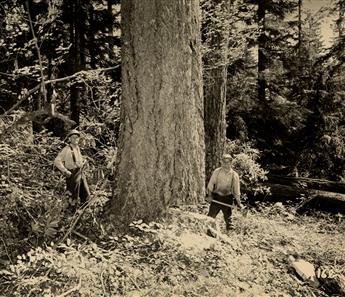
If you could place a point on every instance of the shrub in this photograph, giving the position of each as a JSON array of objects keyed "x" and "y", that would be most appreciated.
[
  {"x": 245, "y": 162},
  {"x": 34, "y": 205}
]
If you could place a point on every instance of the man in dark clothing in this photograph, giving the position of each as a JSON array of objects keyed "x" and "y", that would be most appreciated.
[{"x": 224, "y": 186}]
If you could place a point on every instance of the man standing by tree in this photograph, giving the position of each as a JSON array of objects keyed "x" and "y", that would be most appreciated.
[
  {"x": 223, "y": 187},
  {"x": 70, "y": 162}
]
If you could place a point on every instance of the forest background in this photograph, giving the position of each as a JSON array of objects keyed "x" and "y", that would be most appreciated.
[
  {"x": 278, "y": 87},
  {"x": 302, "y": 98}
]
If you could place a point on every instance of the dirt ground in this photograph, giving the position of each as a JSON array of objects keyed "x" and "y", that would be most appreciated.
[{"x": 181, "y": 257}]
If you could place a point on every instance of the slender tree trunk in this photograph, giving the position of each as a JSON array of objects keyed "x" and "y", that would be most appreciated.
[
  {"x": 299, "y": 77},
  {"x": 49, "y": 87},
  {"x": 300, "y": 39},
  {"x": 299, "y": 25},
  {"x": 74, "y": 92},
  {"x": 262, "y": 59},
  {"x": 215, "y": 80},
  {"x": 110, "y": 12},
  {"x": 340, "y": 21},
  {"x": 78, "y": 56},
  {"x": 161, "y": 145},
  {"x": 92, "y": 46}
]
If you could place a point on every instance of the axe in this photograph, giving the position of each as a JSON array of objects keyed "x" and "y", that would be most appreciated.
[
  {"x": 209, "y": 199},
  {"x": 227, "y": 205},
  {"x": 222, "y": 203}
]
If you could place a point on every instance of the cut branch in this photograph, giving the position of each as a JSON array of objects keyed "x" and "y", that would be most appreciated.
[
  {"x": 7, "y": 74},
  {"x": 33, "y": 90},
  {"x": 26, "y": 96}
]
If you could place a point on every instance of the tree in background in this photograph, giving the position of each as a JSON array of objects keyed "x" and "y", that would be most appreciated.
[
  {"x": 224, "y": 32},
  {"x": 216, "y": 23},
  {"x": 265, "y": 116},
  {"x": 324, "y": 136},
  {"x": 76, "y": 16},
  {"x": 68, "y": 36},
  {"x": 13, "y": 50},
  {"x": 303, "y": 79},
  {"x": 161, "y": 146},
  {"x": 298, "y": 79},
  {"x": 269, "y": 14}
]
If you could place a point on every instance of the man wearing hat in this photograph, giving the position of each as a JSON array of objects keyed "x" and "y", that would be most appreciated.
[
  {"x": 223, "y": 187},
  {"x": 70, "y": 162}
]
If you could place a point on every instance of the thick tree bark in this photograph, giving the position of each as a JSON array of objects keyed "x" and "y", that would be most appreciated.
[
  {"x": 215, "y": 79},
  {"x": 161, "y": 145},
  {"x": 215, "y": 118}
]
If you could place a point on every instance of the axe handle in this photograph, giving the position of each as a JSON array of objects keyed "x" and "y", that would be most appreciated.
[{"x": 222, "y": 203}]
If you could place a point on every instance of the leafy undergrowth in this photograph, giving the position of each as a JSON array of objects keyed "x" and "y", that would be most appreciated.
[{"x": 176, "y": 257}]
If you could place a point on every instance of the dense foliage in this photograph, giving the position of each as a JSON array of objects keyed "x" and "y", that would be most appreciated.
[
  {"x": 43, "y": 42},
  {"x": 299, "y": 125},
  {"x": 34, "y": 208},
  {"x": 302, "y": 77}
]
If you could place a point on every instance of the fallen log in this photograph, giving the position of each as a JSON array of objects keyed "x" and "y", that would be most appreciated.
[
  {"x": 325, "y": 201},
  {"x": 308, "y": 198},
  {"x": 309, "y": 183},
  {"x": 279, "y": 193}
]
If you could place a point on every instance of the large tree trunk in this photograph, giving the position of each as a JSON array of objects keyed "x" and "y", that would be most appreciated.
[
  {"x": 161, "y": 145},
  {"x": 215, "y": 79}
]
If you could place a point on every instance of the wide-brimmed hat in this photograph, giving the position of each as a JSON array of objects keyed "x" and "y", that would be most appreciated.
[
  {"x": 226, "y": 157},
  {"x": 72, "y": 132}
]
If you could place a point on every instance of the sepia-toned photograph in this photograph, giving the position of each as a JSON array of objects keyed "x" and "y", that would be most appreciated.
[{"x": 172, "y": 148}]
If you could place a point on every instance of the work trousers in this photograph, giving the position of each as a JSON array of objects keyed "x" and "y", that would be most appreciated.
[
  {"x": 215, "y": 208},
  {"x": 77, "y": 186}
]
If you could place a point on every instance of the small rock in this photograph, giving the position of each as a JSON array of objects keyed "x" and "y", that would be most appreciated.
[
  {"x": 279, "y": 205},
  {"x": 212, "y": 232},
  {"x": 305, "y": 270}
]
